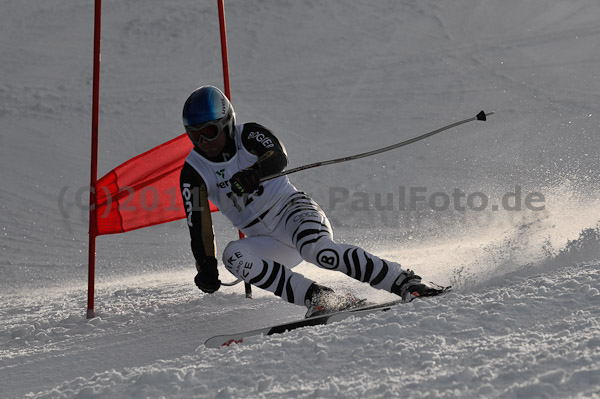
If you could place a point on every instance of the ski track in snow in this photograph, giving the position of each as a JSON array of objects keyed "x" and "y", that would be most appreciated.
[{"x": 331, "y": 79}]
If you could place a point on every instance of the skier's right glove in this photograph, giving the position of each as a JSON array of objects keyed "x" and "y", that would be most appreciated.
[
  {"x": 207, "y": 278},
  {"x": 245, "y": 181}
]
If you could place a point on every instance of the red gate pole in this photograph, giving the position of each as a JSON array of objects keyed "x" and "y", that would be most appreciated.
[
  {"x": 224, "y": 54},
  {"x": 93, "y": 230},
  {"x": 225, "y": 58}
]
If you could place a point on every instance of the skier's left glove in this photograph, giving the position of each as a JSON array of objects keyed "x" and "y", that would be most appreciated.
[
  {"x": 245, "y": 181},
  {"x": 207, "y": 278}
]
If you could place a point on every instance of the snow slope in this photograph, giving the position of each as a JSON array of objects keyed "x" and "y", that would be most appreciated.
[{"x": 331, "y": 79}]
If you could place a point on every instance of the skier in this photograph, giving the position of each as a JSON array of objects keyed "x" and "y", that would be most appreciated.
[{"x": 283, "y": 226}]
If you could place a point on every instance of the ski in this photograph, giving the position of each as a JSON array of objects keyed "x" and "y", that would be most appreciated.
[{"x": 228, "y": 339}]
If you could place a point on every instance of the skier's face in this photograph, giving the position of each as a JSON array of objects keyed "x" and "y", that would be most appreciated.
[{"x": 210, "y": 142}]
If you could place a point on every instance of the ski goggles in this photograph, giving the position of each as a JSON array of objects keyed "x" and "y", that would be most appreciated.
[{"x": 209, "y": 131}]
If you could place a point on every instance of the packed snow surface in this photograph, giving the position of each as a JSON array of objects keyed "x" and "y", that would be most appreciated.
[{"x": 506, "y": 211}]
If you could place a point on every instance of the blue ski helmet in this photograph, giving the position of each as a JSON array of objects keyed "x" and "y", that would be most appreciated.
[{"x": 207, "y": 105}]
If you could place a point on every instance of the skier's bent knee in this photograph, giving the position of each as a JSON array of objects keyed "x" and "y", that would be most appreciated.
[{"x": 233, "y": 258}]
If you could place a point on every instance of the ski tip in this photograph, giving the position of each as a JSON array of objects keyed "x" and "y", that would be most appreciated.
[
  {"x": 220, "y": 341},
  {"x": 232, "y": 341},
  {"x": 482, "y": 116}
]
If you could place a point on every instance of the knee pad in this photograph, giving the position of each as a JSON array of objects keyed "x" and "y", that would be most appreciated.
[{"x": 236, "y": 256}]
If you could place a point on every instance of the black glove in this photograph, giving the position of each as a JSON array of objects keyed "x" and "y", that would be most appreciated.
[
  {"x": 207, "y": 278},
  {"x": 245, "y": 181}
]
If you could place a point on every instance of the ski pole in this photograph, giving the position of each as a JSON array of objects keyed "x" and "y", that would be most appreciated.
[
  {"x": 247, "y": 287},
  {"x": 482, "y": 116},
  {"x": 239, "y": 280}
]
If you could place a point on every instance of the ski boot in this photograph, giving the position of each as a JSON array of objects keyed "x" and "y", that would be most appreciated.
[
  {"x": 323, "y": 300},
  {"x": 409, "y": 286}
]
